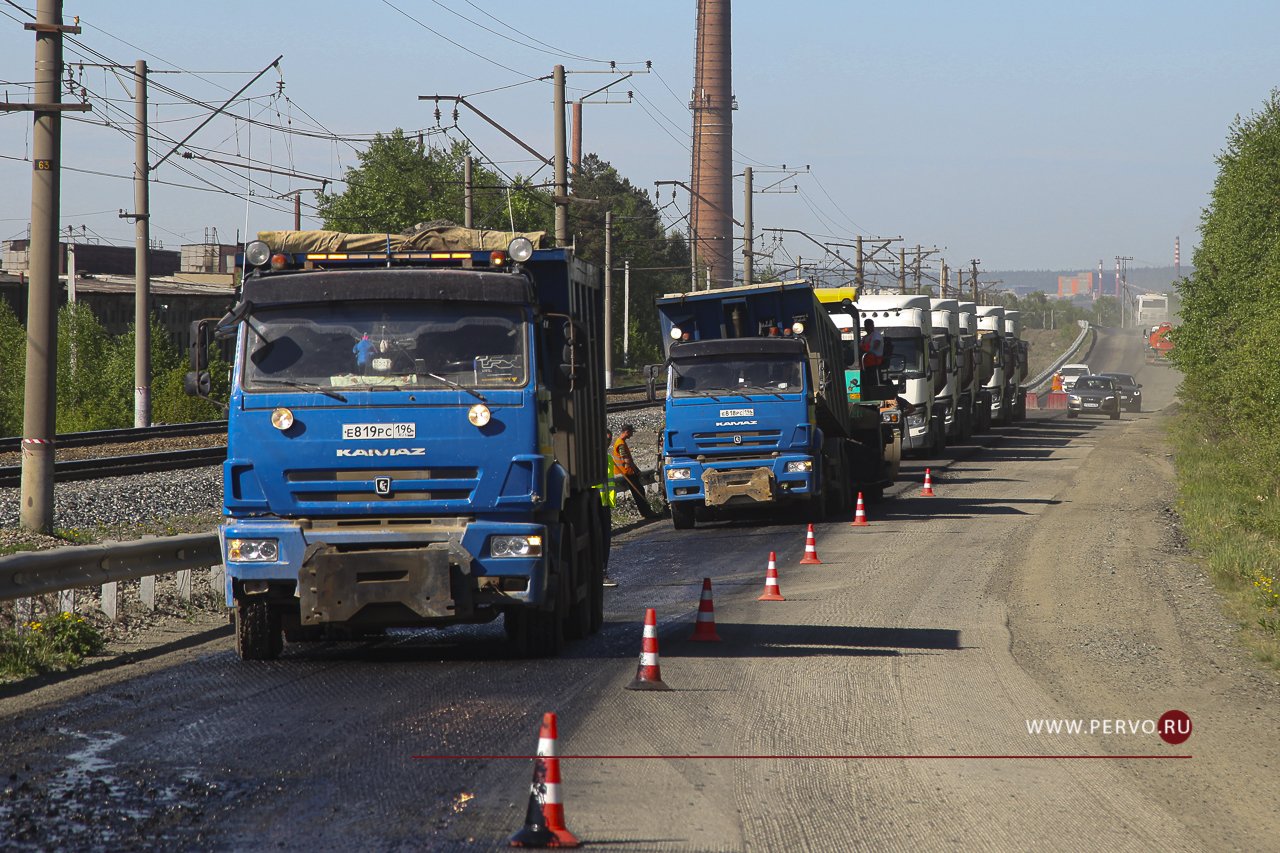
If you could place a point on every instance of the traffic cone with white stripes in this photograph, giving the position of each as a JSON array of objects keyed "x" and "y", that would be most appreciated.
[
  {"x": 705, "y": 629},
  {"x": 859, "y": 514},
  {"x": 810, "y": 557},
  {"x": 771, "y": 590},
  {"x": 927, "y": 491},
  {"x": 544, "y": 819},
  {"x": 648, "y": 673}
]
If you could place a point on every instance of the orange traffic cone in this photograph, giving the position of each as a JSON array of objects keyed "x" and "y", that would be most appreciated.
[
  {"x": 771, "y": 590},
  {"x": 544, "y": 820},
  {"x": 705, "y": 629},
  {"x": 810, "y": 550},
  {"x": 927, "y": 491},
  {"x": 859, "y": 514},
  {"x": 648, "y": 673}
]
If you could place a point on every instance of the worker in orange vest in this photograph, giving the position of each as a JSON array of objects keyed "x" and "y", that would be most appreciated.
[
  {"x": 1057, "y": 382},
  {"x": 624, "y": 465}
]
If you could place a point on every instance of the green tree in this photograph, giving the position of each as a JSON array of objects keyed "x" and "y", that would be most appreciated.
[
  {"x": 13, "y": 359},
  {"x": 401, "y": 181},
  {"x": 659, "y": 260},
  {"x": 1230, "y": 304}
]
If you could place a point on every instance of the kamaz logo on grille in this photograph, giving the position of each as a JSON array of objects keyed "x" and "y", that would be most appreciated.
[
  {"x": 382, "y": 485},
  {"x": 737, "y": 439},
  {"x": 382, "y": 451},
  {"x": 737, "y": 413}
]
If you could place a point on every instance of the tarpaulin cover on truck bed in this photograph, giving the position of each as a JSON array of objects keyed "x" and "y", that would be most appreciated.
[{"x": 430, "y": 239}]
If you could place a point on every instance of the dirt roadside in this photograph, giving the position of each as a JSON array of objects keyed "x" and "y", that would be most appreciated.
[{"x": 1133, "y": 628}]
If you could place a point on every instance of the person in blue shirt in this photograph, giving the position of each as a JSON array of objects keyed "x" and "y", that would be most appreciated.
[{"x": 363, "y": 350}]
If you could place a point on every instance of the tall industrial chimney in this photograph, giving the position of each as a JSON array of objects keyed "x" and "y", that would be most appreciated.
[{"x": 711, "y": 208}]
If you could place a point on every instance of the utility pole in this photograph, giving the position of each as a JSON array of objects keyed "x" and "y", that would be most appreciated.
[
  {"x": 902, "y": 270},
  {"x": 973, "y": 277},
  {"x": 561, "y": 161},
  {"x": 576, "y": 157},
  {"x": 608, "y": 299},
  {"x": 39, "y": 392},
  {"x": 942, "y": 282},
  {"x": 1122, "y": 283},
  {"x": 748, "y": 247},
  {"x": 860, "y": 269},
  {"x": 468, "y": 190},
  {"x": 917, "y": 269},
  {"x": 626, "y": 313},
  {"x": 141, "y": 253}
]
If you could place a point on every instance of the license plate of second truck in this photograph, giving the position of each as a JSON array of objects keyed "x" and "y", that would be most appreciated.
[{"x": 368, "y": 431}]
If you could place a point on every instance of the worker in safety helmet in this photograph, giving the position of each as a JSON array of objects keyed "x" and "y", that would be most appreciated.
[{"x": 625, "y": 466}]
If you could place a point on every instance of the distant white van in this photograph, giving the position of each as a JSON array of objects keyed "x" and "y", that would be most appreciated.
[{"x": 1071, "y": 372}]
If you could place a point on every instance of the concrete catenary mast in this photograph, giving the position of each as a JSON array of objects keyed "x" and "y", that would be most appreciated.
[{"x": 711, "y": 205}]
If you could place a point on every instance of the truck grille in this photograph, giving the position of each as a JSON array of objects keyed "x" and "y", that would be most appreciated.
[
  {"x": 765, "y": 439},
  {"x": 406, "y": 484}
]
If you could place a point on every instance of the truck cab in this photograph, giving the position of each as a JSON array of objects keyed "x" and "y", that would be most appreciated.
[
  {"x": 414, "y": 440},
  {"x": 992, "y": 339},
  {"x": 757, "y": 410},
  {"x": 956, "y": 416},
  {"x": 1018, "y": 352},
  {"x": 911, "y": 356},
  {"x": 973, "y": 372}
]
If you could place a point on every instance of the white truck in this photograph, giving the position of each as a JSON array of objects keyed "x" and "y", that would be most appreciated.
[
  {"x": 991, "y": 333},
  {"x": 957, "y": 419},
  {"x": 979, "y": 363},
  {"x": 907, "y": 325}
]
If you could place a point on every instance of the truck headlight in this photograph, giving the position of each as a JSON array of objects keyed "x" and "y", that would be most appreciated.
[
  {"x": 915, "y": 420},
  {"x": 679, "y": 473},
  {"x": 479, "y": 415},
  {"x": 802, "y": 466},
  {"x": 515, "y": 546},
  {"x": 890, "y": 416},
  {"x": 1074, "y": 398},
  {"x": 253, "y": 550}
]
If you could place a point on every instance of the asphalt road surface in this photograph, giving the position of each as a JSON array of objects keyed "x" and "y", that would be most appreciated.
[{"x": 885, "y": 705}]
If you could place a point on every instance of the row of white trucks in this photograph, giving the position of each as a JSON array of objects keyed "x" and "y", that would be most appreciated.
[{"x": 960, "y": 366}]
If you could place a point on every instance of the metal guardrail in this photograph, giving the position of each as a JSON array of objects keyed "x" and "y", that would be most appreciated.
[
  {"x": 119, "y": 466},
  {"x": 32, "y": 573},
  {"x": 1086, "y": 331}
]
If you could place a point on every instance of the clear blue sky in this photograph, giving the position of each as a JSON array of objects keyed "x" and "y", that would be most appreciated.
[{"x": 1030, "y": 135}]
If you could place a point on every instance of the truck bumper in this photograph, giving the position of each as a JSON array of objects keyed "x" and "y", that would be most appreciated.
[
  {"x": 741, "y": 482},
  {"x": 916, "y": 438},
  {"x": 438, "y": 570}
]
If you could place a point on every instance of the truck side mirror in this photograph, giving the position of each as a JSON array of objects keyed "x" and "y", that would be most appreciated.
[
  {"x": 651, "y": 379},
  {"x": 197, "y": 382}
]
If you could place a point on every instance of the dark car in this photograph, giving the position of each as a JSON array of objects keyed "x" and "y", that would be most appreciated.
[
  {"x": 1130, "y": 391},
  {"x": 1094, "y": 395}
]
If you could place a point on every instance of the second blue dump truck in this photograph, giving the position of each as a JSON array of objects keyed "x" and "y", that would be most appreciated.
[
  {"x": 757, "y": 411},
  {"x": 415, "y": 436}
]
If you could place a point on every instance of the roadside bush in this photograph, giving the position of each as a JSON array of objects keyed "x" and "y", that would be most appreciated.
[{"x": 57, "y": 643}]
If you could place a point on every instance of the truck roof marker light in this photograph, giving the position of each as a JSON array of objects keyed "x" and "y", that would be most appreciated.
[
  {"x": 257, "y": 253},
  {"x": 676, "y": 333},
  {"x": 279, "y": 261},
  {"x": 479, "y": 415},
  {"x": 282, "y": 419},
  {"x": 520, "y": 249},
  {"x": 497, "y": 258}
]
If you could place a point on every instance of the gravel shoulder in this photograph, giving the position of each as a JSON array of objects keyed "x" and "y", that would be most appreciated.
[{"x": 1112, "y": 615}]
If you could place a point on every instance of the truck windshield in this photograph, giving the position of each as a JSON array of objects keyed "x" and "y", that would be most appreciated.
[
  {"x": 385, "y": 345},
  {"x": 906, "y": 352},
  {"x": 735, "y": 375}
]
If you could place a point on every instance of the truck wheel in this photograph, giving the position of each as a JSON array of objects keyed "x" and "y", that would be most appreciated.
[
  {"x": 599, "y": 562},
  {"x": 939, "y": 440},
  {"x": 577, "y": 621},
  {"x": 535, "y": 633},
  {"x": 259, "y": 633},
  {"x": 682, "y": 515}
]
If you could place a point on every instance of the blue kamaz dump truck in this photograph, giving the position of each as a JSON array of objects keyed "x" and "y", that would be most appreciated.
[
  {"x": 757, "y": 412},
  {"x": 415, "y": 437}
]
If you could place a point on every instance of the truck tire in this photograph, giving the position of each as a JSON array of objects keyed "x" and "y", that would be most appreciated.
[
  {"x": 682, "y": 515},
  {"x": 259, "y": 632},
  {"x": 577, "y": 614},
  {"x": 939, "y": 445},
  {"x": 535, "y": 633},
  {"x": 599, "y": 563}
]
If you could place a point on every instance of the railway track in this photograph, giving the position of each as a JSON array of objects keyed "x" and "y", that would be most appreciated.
[{"x": 172, "y": 460}]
